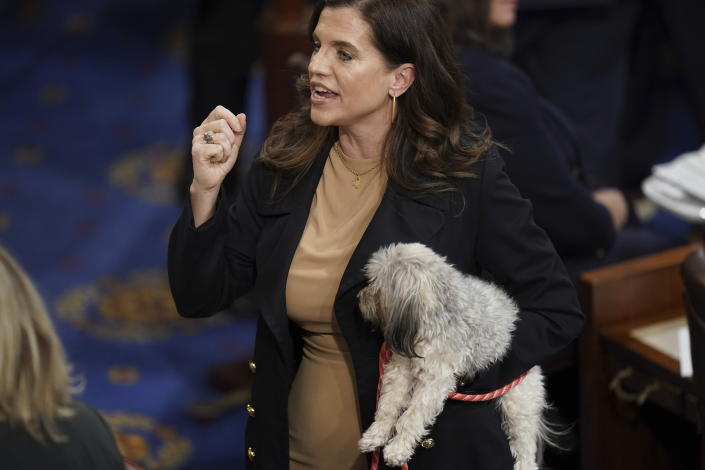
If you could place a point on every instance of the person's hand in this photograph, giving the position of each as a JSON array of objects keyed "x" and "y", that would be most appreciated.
[
  {"x": 215, "y": 146},
  {"x": 616, "y": 204}
]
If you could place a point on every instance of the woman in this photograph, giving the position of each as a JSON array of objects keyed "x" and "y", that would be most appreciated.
[
  {"x": 588, "y": 227},
  {"x": 382, "y": 153},
  {"x": 41, "y": 426}
]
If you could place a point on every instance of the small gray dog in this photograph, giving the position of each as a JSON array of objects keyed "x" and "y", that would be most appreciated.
[{"x": 442, "y": 325}]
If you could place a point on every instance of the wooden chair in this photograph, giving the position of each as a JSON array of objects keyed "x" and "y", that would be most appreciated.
[
  {"x": 693, "y": 270},
  {"x": 615, "y": 300}
]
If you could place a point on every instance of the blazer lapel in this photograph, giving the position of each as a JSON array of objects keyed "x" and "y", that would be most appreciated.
[
  {"x": 271, "y": 280},
  {"x": 399, "y": 218}
]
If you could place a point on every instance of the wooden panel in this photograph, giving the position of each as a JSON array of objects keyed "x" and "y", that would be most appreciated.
[
  {"x": 290, "y": 11},
  {"x": 672, "y": 392},
  {"x": 626, "y": 293},
  {"x": 635, "y": 289},
  {"x": 285, "y": 51},
  {"x": 619, "y": 335}
]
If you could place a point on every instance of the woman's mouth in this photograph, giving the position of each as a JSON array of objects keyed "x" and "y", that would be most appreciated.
[{"x": 321, "y": 95}]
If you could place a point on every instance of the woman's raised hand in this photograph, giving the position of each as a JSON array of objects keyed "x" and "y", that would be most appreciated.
[{"x": 215, "y": 146}]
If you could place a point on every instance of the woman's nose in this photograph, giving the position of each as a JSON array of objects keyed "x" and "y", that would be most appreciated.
[{"x": 318, "y": 64}]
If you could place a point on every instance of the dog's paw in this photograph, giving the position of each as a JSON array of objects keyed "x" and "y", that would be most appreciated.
[
  {"x": 397, "y": 452},
  {"x": 375, "y": 436},
  {"x": 368, "y": 444}
]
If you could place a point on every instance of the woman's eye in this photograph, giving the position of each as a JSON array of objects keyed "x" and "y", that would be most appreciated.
[
  {"x": 344, "y": 56},
  {"x": 316, "y": 46}
]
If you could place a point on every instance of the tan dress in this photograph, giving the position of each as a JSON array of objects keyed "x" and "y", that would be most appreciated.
[{"x": 324, "y": 423}]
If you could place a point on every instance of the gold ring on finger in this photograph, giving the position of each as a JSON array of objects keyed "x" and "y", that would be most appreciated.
[{"x": 208, "y": 137}]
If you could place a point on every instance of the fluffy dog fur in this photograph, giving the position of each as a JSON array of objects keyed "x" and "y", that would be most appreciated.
[{"x": 441, "y": 325}]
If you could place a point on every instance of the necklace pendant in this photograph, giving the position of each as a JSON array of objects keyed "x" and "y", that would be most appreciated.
[{"x": 356, "y": 182}]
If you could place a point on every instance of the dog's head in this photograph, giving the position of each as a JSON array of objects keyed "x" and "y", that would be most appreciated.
[{"x": 405, "y": 294}]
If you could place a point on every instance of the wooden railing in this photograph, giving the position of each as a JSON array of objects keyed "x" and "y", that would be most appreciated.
[{"x": 616, "y": 298}]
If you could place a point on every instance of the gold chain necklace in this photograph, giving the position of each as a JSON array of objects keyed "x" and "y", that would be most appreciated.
[{"x": 356, "y": 181}]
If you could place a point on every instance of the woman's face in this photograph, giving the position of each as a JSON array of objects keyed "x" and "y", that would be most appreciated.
[
  {"x": 503, "y": 13},
  {"x": 350, "y": 79}
]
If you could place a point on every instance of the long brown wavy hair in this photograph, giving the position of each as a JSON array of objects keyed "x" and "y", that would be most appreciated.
[{"x": 433, "y": 123}]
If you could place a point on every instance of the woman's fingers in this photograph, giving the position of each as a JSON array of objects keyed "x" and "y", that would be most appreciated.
[
  {"x": 208, "y": 153},
  {"x": 242, "y": 120},
  {"x": 217, "y": 126},
  {"x": 218, "y": 139},
  {"x": 220, "y": 112},
  {"x": 215, "y": 146}
]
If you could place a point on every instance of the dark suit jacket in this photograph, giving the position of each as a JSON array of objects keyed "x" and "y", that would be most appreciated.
[
  {"x": 577, "y": 56},
  {"x": 90, "y": 445},
  {"x": 247, "y": 250},
  {"x": 542, "y": 157}
]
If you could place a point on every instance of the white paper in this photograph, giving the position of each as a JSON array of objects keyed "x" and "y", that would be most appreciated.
[
  {"x": 686, "y": 359},
  {"x": 670, "y": 337}
]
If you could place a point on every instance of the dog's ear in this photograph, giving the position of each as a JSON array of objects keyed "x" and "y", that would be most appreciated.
[
  {"x": 368, "y": 302},
  {"x": 402, "y": 325}
]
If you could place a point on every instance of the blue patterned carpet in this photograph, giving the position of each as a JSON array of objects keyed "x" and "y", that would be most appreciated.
[{"x": 93, "y": 101}]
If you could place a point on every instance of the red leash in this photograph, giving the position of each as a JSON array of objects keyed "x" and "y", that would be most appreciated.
[{"x": 385, "y": 354}]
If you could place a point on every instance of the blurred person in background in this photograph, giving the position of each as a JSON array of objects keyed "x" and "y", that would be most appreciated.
[
  {"x": 589, "y": 227},
  {"x": 664, "y": 112},
  {"x": 628, "y": 73},
  {"x": 41, "y": 425},
  {"x": 577, "y": 55}
]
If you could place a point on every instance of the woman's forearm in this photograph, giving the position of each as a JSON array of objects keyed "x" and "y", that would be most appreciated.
[{"x": 203, "y": 203}]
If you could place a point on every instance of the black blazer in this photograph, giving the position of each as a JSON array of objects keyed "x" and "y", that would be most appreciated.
[
  {"x": 90, "y": 445},
  {"x": 246, "y": 250},
  {"x": 543, "y": 157}
]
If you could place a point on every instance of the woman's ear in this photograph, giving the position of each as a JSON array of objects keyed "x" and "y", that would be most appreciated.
[{"x": 404, "y": 77}]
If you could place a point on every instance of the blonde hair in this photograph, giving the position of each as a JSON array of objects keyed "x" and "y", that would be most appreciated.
[{"x": 35, "y": 377}]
